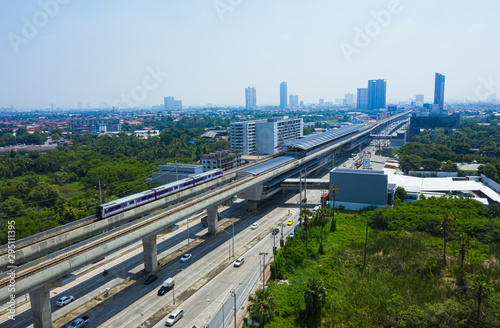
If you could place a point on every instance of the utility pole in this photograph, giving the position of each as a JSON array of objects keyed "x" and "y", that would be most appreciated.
[
  {"x": 233, "y": 238},
  {"x": 187, "y": 220},
  {"x": 305, "y": 185},
  {"x": 263, "y": 267},
  {"x": 274, "y": 242},
  {"x": 281, "y": 241},
  {"x": 233, "y": 294},
  {"x": 176, "y": 174},
  {"x": 100, "y": 194}
]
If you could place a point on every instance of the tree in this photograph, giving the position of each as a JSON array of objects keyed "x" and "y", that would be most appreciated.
[
  {"x": 12, "y": 206},
  {"x": 400, "y": 194},
  {"x": 334, "y": 190},
  {"x": 315, "y": 297},
  {"x": 449, "y": 166},
  {"x": 304, "y": 215},
  {"x": 261, "y": 306},
  {"x": 56, "y": 136},
  {"x": 321, "y": 219},
  {"x": 44, "y": 194}
]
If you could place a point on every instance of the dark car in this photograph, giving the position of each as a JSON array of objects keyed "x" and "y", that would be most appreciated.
[
  {"x": 296, "y": 227},
  {"x": 276, "y": 231},
  {"x": 150, "y": 279}
]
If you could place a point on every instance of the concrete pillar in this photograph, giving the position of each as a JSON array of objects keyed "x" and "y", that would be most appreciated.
[
  {"x": 150, "y": 254},
  {"x": 213, "y": 219},
  {"x": 252, "y": 205},
  {"x": 40, "y": 307}
]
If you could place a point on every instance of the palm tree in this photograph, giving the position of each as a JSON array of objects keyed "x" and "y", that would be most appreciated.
[
  {"x": 334, "y": 190},
  {"x": 445, "y": 225},
  {"x": 305, "y": 214},
  {"x": 315, "y": 297},
  {"x": 261, "y": 306},
  {"x": 321, "y": 219}
]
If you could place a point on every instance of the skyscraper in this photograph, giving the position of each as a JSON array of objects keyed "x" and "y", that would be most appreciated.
[
  {"x": 250, "y": 98},
  {"x": 169, "y": 103},
  {"x": 283, "y": 95},
  {"x": 419, "y": 100},
  {"x": 362, "y": 98},
  {"x": 348, "y": 99},
  {"x": 439, "y": 91},
  {"x": 294, "y": 101},
  {"x": 376, "y": 94}
]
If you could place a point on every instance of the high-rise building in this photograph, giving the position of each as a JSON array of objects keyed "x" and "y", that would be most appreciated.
[
  {"x": 178, "y": 104},
  {"x": 376, "y": 94},
  {"x": 294, "y": 101},
  {"x": 349, "y": 99},
  {"x": 321, "y": 102},
  {"x": 264, "y": 136},
  {"x": 250, "y": 98},
  {"x": 439, "y": 91},
  {"x": 242, "y": 137},
  {"x": 283, "y": 95},
  {"x": 169, "y": 103},
  {"x": 362, "y": 98},
  {"x": 419, "y": 100}
]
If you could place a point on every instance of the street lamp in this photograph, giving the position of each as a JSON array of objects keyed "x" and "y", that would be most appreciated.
[
  {"x": 173, "y": 287},
  {"x": 230, "y": 241},
  {"x": 222, "y": 305},
  {"x": 233, "y": 294}
]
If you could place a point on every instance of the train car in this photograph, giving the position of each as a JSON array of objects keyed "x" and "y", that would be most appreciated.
[{"x": 124, "y": 204}]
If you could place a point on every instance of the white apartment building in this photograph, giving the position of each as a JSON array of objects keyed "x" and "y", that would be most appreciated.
[{"x": 264, "y": 136}]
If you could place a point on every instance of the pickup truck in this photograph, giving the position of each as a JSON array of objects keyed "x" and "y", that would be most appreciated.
[{"x": 80, "y": 322}]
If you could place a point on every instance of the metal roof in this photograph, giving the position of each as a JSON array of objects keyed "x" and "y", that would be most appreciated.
[
  {"x": 328, "y": 136},
  {"x": 269, "y": 165}
]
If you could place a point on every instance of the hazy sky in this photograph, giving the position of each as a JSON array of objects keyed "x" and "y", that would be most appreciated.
[{"x": 208, "y": 51}]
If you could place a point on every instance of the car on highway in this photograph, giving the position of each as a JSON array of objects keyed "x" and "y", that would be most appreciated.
[
  {"x": 150, "y": 279},
  {"x": 292, "y": 233},
  {"x": 186, "y": 257},
  {"x": 289, "y": 222},
  {"x": 239, "y": 262},
  {"x": 166, "y": 286},
  {"x": 254, "y": 226},
  {"x": 276, "y": 231},
  {"x": 80, "y": 322},
  {"x": 174, "y": 317},
  {"x": 65, "y": 300}
]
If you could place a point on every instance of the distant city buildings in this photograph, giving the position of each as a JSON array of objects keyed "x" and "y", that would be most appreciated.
[
  {"x": 171, "y": 104},
  {"x": 95, "y": 125},
  {"x": 250, "y": 98},
  {"x": 264, "y": 136},
  {"x": 376, "y": 94},
  {"x": 439, "y": 92},
  {"x": 419, "y": 100},
  {"x": 283, "y": 95},
  {"x": 225, "y": 160},
  {"x": 362, "y": 98},
  {"x": 321, "y": 102},
  {"x": 294, "y": 101},
  {"x": 348, "y": 99}
]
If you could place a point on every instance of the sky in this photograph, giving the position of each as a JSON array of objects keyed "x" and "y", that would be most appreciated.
[{"x": 132, "y": 53}]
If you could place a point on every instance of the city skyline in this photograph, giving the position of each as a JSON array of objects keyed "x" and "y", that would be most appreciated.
[{"x": 136, "y": 53}]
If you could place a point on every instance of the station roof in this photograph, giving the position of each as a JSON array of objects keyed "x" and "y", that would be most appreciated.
[
  {"x": 328, "y": 136},
  {"x": 266, "y": 166}
]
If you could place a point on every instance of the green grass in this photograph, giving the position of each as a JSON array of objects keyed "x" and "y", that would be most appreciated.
[{"x": 72, "y": 189}]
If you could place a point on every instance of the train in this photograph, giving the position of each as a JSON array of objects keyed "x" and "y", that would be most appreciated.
[{"x": 126, "y": 203}]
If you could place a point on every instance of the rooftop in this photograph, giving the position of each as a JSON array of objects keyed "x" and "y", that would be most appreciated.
[{"x": 328, "y": 136}]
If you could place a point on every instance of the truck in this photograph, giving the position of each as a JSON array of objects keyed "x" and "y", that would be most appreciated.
[
  {"x": 204, "y": 220},
  {"x": 80, "y": 322}
]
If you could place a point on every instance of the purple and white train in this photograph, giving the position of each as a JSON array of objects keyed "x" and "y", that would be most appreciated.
[{"x": 129, "y": 202}]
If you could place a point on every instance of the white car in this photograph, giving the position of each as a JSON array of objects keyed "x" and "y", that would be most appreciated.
[
  {"x": 186, "y": 257},
  {"x": 65, "y": 300},
  {"x": 239, "y": 262},
  {"x": 254, "y": 226}
]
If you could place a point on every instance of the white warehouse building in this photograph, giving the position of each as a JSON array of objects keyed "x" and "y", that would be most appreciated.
[{"x": 264, "y": 136}]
